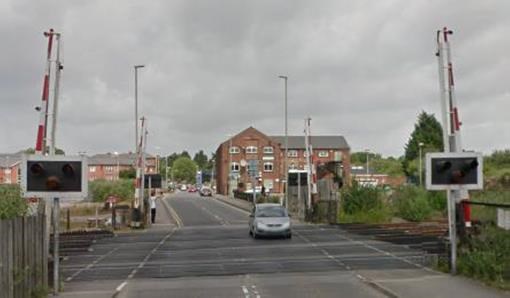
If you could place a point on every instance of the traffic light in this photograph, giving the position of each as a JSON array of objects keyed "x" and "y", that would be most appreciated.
[
  {"x": 54, "y": 176},
  {"x": 454, "y": 170}
]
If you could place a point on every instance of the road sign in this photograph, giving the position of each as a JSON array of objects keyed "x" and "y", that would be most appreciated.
[
  {"x": 155, "y": 181},
  {"x": 449, "y": 171},
  {"x": 55, "y": 176}
]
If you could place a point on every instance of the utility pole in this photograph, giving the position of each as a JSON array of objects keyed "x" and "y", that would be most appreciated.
[
  {"x": 136, "y": 105},
  {"x": 56, "y": 93},
  {"x": 308, "y": 163},
  {"x": 451, "y": 130},
  {"x": 285, "y": 160}
]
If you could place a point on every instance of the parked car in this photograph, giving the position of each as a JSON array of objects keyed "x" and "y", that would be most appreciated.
[
  {"x": 192, "y": 189},
  {"x": 205, "y": 192},
  {"x": 270, "y": 220},
  {"x": 183, "y": 187}
]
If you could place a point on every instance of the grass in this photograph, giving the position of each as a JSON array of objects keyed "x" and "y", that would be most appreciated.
[{"x": 380, "y": 215}]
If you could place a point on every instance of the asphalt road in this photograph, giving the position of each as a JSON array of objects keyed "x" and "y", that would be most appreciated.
[{"x": 210, "y": 254}]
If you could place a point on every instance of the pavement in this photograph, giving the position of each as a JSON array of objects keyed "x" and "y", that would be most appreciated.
[{"x": 201, "y": 248}]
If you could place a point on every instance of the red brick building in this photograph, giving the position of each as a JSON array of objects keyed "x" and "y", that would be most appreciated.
[
  {"x": 108, "y": 166},
  {"x": 252, "y": 146},
  {"x": 10, "y": 168}
]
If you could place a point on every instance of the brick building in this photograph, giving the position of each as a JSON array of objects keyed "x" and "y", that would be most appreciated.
[
  {"x": 251, "y": 147},
  {"x": 10, "y": 168},
  {"x": 108, "y": 166}
]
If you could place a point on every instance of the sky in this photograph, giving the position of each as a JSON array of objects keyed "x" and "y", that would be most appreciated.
[{"x": 361, "y": 69}]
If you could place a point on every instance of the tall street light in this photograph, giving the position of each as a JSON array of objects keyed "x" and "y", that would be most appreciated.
[
  {"x": 229, "y": 182},
  {"x": 420, "y": 145},
  {"x": 285, "y": 161},
  {"x": 117, "y": 157},
  {"x": 136, "y": 105},
  {"x": 368, "y": 152}
]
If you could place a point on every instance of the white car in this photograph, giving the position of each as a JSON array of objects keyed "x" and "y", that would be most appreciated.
[{"x": 270, "y": 220}]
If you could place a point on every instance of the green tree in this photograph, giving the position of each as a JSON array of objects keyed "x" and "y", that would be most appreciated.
[
  {"x": 185, "y": 153},
  {"x": 201, "y": 159},
  {"x": 128, "y": 173},
  {"x": 58, "y": 151},
  {"x": 184, "y": 170},
  {"x": 428, "y": 131}
]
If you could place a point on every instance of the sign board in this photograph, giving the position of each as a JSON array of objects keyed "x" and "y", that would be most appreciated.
[
  {"x": 55, "y": 176},
  {"x": 448, "y": 171},
  {"x": 155, "y": 181}
]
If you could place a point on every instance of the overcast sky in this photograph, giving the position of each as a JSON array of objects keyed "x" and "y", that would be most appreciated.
[{"x": 361, "y": 69}]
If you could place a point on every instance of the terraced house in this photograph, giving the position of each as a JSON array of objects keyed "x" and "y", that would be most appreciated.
[{"x": 236, "y": 156}]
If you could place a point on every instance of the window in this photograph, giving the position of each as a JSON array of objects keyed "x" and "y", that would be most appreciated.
[
  {"x": 92, "y": 169},
  {"x": 234, "y": 167},
  {"x": 234, "y": 150},
  {"x": 251, "y": 149},
  {"x": 292, "y": 153},
  {"x": 268, "y": 150},
  {"x": 108, "y": 168},
  {"x": 268, "y": 167},
  {"x": 292, "y": 166},
  {"x": 323, "y": 154}
]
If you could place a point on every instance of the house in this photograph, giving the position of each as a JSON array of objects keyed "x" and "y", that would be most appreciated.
[
  {"x": 371, "y": 178},
  {"x": 108, "y": 165},
  {"x": 252, "y": 151},
  {"x": 10, "y": 168}
]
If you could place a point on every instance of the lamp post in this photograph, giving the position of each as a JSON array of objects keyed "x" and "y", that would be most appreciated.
[
  {"x": 229, "y": 166},
  {"x": 420, "y": 145},
  {"x": 368, "y": 152},
  {"x": 285, "y": 161},
  {"x": 117, "y": 157},
  {"x": 136, "y": 105}
]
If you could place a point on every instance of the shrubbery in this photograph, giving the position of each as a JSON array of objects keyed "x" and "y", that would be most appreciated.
[
  {"x": 412, "y": 203},
  {"x": 11, "y": 202},
  {"x": 364, "y": 204},
  {"x": 101, "y": 189},
  {"x": 485, "y": 256}
]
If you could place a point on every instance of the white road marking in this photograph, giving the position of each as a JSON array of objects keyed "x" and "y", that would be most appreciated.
[
  {"x": 91, "y": 264},
  {"x": 173, "y": 213},
  {"x": 246, "y": 292},
  {"x": 232, "y": 207},
  {"x": 121, "y": 286}
]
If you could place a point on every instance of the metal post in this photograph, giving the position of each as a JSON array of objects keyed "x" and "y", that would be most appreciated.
[
  {"x": 56, "y": 260},
  {"x": 299, "y": 192},
  {"x": 285, "y": 161},
  {"x": 308, "y": 163},
  {"x": 229, "y": 168},
  {"x": 149, "y": 214},
  {"x": 420, "y": 145},
  {"x": 254, "y": 181},
  {"x": 166, "y": 173},
  {"x": 58, "y": 72},
  {"x": 367, "y": 151},
  {"x": 136, "y": 105}
]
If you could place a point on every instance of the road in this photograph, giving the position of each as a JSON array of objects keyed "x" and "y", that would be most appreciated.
[{"x": 207, "y": 252}]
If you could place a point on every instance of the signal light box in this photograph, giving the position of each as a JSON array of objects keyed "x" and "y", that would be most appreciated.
[
  {"x": 56, "y": 176},
  {"x": 448, "y": 171}
]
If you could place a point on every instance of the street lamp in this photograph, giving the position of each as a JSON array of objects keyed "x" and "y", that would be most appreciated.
[
  {"x": 285, "y": 161},
  {"x": 229, "y": 165},
  {"x": 136, "y": 105},
  {"x": 420, "y": 145},
  {"x": 117, "y": 157}
]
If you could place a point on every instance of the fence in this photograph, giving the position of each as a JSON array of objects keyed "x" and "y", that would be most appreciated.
[{"x": 23, "y": 257}]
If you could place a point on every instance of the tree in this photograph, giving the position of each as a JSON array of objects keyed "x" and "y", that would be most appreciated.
[
  {"x": 185, "y": 153},
  {"x": 428, "y": 131},
  {"x": 201, "y": 160},
  {"x": 58, "y": 151},
  {"x": 184, "y": 170},
  {"x": 128, "y": 173}
]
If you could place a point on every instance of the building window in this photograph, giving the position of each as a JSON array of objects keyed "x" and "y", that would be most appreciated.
[
  {"x": 92, "y": 169},
  {"x": 268, "y": 167},
  {"x": 268, "y": 150},
  {"x": 234, "y": 167},
  {"x": 323, "y": 154},
  {"x": 108, "y": 168},
  {"x": 234, "y": 150},
  {"x": 292, "y": 166},
  {"x": 251, "y": 149},
  {"x": 292, "y": 153}
]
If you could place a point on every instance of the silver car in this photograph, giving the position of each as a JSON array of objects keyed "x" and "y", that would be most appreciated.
[{"x": 270, "y": 220}]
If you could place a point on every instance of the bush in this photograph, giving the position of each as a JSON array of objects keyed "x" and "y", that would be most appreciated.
[
  {"x": 358, "y": 199},
  {"x": 412, "y": 203},
  {"x": 363, "y": 205},
  {"x": 437, "y": 200},
  {"x": 11, "y": 202},
  {"x": 485, "y": 256},
  {"x": 101, "y": 189}
]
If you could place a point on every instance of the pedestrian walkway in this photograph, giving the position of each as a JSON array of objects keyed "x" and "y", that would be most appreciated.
[{"x": 164, "y": 218}]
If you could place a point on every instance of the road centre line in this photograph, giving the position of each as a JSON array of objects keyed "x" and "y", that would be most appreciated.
[
  {"x": 233, "y": 207},
  {"x": 173, "y": 213}
]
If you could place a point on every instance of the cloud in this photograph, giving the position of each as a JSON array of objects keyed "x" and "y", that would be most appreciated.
[{"x": 362, "y": 69}]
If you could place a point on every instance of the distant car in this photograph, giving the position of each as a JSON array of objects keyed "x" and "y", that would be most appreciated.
[
  {"x": 183, "y": 187},
  {"x": 205, "y": 192},
  {"x": 270, "y": 220},
  {"x": 192, "y": 189}
]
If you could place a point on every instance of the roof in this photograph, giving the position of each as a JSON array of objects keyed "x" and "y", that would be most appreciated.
[
  {"x": 124, "y": 159},
  {"x": 318, "y": 142},
  {"x": 9, "y": 159}
]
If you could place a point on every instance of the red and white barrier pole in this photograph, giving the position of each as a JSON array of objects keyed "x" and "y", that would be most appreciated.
[{"x": 40, "y": 145}]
